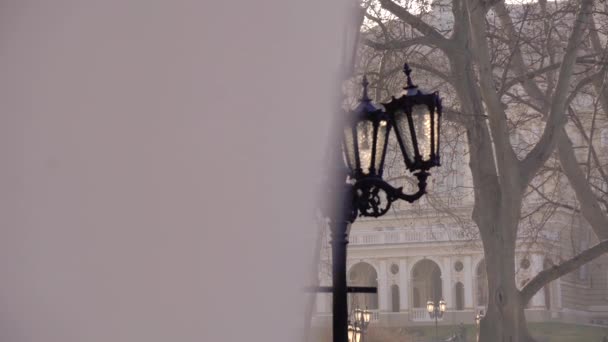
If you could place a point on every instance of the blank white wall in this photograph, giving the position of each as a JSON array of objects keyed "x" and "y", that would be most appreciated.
[{"x": 158, "y": 166}]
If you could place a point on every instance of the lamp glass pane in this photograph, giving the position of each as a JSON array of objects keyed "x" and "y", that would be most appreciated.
[
  {"x": 350, "y": 333},
  {"x": 422, "y": 126},
  {"x": 367, "y": 316},
  {"x": 380, "y": 144},
  {"x": 430, "y": 306},
  {"x": 358, "y": 334},
  {"x": 442, "y": 306},
  {"x": 349, "y": 148},
  {"x": 402, "y": 128},
  {"x": 365, "y": 141}
]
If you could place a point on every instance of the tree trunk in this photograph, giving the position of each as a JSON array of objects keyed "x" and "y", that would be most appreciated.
[
  {"x": 504, "y": 320},
  {"x": 496, "y": 212}
]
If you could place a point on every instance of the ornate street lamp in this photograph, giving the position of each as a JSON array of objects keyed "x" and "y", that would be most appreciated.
[
  {"x": 361, "y": 321},
  {"x": 478, "y": 319},
  {"x": 415, "y": 120},
  {"x": 442, "y": 306},
  {"x": 358, "y": 315},
  {"x": 436, "y": 311},
  {"x": 367, "y": 316}
]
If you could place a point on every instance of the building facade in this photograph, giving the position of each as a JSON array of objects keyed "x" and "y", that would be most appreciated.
[
  {"x": 430, "y": 250},
  {"x": 412, "y": 263}
]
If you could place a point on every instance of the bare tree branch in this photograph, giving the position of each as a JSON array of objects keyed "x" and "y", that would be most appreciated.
[
  {"x": 397, "y": 44},
  {"x": 550, "y": 274},
  {"x": 434, "y": 37},
  {"x": 590, "y": 208},
  {"x": 557, "y": 118}
]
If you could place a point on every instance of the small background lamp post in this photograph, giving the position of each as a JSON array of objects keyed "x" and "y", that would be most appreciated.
[
  {"x": 478, "y": 318},
  {"x": 361, "y": 321},
  {"x": 436, "y": 311},
  {"x": 414, "y": 121}
]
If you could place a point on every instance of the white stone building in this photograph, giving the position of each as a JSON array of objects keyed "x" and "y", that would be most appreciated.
[
  {"x": 430, "y": 250},
  {"x": 413, "y": 263}
]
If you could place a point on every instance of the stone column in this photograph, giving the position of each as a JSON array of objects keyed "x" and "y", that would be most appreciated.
[
  {"x": 446, "y": 280},
  {"x": 404, "y": 285},
  {"x": 538, "y": 300},
  {"x": 468, "y": 282},
  {"x": 383, "y": 291}
]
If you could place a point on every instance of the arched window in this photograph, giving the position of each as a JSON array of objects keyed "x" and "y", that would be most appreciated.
[
  {"x": 395, "y": 298},
  {"x": 364, "y": 274},
  {"x": 416, "y": 300},
  {"x": 426, "y": 282},
  {"x": 459, "y": 289}
]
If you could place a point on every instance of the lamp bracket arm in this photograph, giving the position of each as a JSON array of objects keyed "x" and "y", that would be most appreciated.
[
  {"x": 398, "y": 193},
  {"x": 367, "y": 199}
]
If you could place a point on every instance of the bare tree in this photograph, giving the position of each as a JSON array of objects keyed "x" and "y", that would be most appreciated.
[{"x": 505, "y": 67}]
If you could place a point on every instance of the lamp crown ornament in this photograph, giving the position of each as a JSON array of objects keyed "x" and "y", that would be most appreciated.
[{"x": 407, "y": 71}]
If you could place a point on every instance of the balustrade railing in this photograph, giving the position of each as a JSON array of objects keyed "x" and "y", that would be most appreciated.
[
  {"x": 421, "y": 315},
  {"x": 403, "y": 236},
  {"x": 431, "y": 235}
]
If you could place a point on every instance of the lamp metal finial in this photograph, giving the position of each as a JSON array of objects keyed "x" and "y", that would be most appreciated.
[{"x": 407, "y": 71}]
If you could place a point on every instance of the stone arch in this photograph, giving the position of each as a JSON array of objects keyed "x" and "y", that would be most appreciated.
[
  {"x": 481, "y": 284},
  {"x": 426, "y": 282},
  {"x": 417, "y": 260},
  {"x": 363, "y": 274},
  {"x": 373, "y": 263}
]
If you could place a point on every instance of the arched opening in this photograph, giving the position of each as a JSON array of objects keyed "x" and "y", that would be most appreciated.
[
  {"x": 547, "y": 263},
  {"x": 363, "y": 274},
  {"x": 416, "y": 299},
  {"x": 459, "y": 289},
  {"x": 395, "y": 298},
  {"x": 481, "y": 279},
  {"x": 426, "y": 281}
]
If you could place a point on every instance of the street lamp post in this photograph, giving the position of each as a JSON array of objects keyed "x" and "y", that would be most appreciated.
[
  {"x": 436, "y": 311},
  {"x": 414, "y": 121},
  {"x": 361, "y": 321},
  {"x": 478, "y": 318}
]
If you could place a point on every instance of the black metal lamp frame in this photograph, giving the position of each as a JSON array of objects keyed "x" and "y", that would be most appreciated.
[
  {"x": 367, "y": 179},
  {"x": 361, "y": 193}
]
